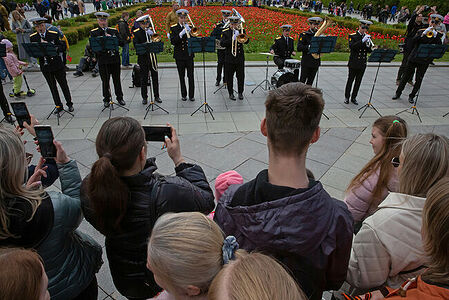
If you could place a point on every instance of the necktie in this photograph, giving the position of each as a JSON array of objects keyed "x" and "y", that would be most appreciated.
[{"x": 286, "y": 40}]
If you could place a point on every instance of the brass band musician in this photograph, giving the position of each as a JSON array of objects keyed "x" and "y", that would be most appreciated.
[
  {"x": 309, "y": 64},
  {"x": 224, "y": 23}
]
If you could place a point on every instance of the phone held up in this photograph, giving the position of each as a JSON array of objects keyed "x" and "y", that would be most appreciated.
[
  {"x": 21, "y": 112},
  {"x": 156, "y": 133},
  {"x": 45, "y": 139}
]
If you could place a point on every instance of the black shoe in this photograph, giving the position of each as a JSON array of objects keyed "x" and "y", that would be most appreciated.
[
  {"x": 94, "y": 74},
  {"x": 396, "y": 96},
  {"x": 78, "y": 74},
  {"x": 70, "y": 108},
  {"x": 411, "y": 100},
  {"x": 232, "y": 97},
  {"x": 106, "y": 103},
  {"x": 240, "y": 96},
  {"x": 346, "y": 101},
  {"x": 411, "y": 82},
  {"x": 144, "y": 101},
  {"x": 217, "y": 83},
  {"x": 10, "y": 119},
  {"x": 354, "y": 101},
  {"x": 192, "y": 99},
  {"x": 121, "y": 102},
  {"x": 58, "y": 110},
  {"x": 158, "y": 100},
  {"x": 184, "y": 98}
]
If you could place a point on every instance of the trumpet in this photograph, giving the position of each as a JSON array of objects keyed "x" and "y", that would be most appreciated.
[
  {"x": 370, "y": 43},
  {"x": 193, "y": 30},
  {"x": 155, "y": 37}
]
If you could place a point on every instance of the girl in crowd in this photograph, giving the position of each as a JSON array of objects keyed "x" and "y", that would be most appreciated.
[
  {"x": 123, "y": 196},
  {"x": 47, "y": 221},
  {"x": 22, "y": 275},
  {"x": 388, "y": 248},
  {"x": 378, "y": 177},
  {"x": 22, "y": 28}
]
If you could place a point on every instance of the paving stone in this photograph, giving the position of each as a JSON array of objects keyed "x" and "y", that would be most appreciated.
[
  {"x": 352, "y": 163},
  {"x": 337, "y": 178}
]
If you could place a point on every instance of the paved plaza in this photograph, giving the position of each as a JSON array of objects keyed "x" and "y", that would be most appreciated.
[{"x": 233, "y": 140}]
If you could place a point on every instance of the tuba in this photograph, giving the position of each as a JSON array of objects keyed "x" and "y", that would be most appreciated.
[
  {"x": 155, "y": 37},
  {"x": 326, "y": 24}
]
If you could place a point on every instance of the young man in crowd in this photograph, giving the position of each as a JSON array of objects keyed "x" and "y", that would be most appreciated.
[
  {"x": 125, "y": 34},
  {"x": 285, "y": 213}
]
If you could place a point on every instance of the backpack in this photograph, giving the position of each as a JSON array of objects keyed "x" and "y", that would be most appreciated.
[{"x": 136, "y": 76}]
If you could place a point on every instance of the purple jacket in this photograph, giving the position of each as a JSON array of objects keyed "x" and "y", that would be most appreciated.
[{"x": 305, "y": 229}]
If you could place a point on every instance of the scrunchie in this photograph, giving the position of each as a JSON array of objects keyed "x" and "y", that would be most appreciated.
[
  {"x": 108, "y": 155},
  {"x": 230, "y": 245}
]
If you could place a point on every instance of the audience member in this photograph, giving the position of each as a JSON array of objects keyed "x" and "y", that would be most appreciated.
[
  {"x": 388, "y": 248},
  {"x": 87, "y": 63},
  {"x": 4, "y": 14},
  {"x": 22, "y": 28},
  {"x": 14, "y": 67},
  {"x": 22, "y": 275},
  {"x": 284, "y": 213},
  {"x": 47, "y": 221},
  {"x": 378, "y": 177},
  {"x": 123, "y": 196},
  {"x": 125, "y": 34}
]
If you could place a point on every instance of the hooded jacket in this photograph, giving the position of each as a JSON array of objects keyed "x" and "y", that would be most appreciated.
[{"x": 305, "y": 229}]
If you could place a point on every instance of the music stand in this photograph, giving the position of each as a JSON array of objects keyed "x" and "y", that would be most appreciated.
[
  {"x": 380, "y": 56},
  {"x": 203, "y": 45},
  {"x": 224, "y": 78},
  {"x": 106, "y": 44},
  {"x": 268, "y": 84},
  {"x": 426, "y": 51},
  {"x": 45, "y": 50}
]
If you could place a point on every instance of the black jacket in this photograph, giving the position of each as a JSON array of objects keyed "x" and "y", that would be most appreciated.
[
  {"x": 418, "y": 40},
  {"x": 151, "y": 195},
  {"x": 110, "y": 56},
  {"x": 50, "y": 63},
  {"x": 226, "y": 41},
  {"x": 412, "y": 29},
  {"x": 281, "y": 48},
  {"x": 181, "y": 51},
  {"x": 141, "y": 37},
  {"x": 216, "y": 33},
  {"x": 359, "y": 51},
  {"x": 307, "y": 59},
  {"x": 305, "y": 229},
  {"x": 123, "y": 30}
]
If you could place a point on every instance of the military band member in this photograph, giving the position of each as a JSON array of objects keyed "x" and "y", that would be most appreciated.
[
  {"x": 283, "y": 48},
  {"x": 108, "y": 61},
  {"x": 309, "y": 65},
  {"x": 234, "y": 56},
  {"x": 359, "y": 44},
  {"x": 147, "y": 61},
  {"x": 423, "y": 36},
  {"x": 52, "y": 67},
  {"x": 184, "y": 61},
  {"x": 220, "y": 50}
]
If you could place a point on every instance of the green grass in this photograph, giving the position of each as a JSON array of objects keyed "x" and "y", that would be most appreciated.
[{"x": 77, "y": 51}]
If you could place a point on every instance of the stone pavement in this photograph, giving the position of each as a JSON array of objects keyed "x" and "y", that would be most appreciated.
[{"x": 233, "y": 140}]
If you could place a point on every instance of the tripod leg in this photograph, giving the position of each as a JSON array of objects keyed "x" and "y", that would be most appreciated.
[
  {"x": 376, "y": 111},
  {"x": 198, "y": 109},
  {"x": 366, "y": 107},
  {"x": 325, "y": 115},
  {"x": 445, "y": 114},
  {"x": 210, "y": 111}
]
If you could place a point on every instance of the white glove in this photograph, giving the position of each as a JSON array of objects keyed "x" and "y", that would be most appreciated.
[
  {"x": 182, "y": 33},
  {"x": 236, "y": 33},
  {"x": 168, "y": 35},
  {"x": 150, "y": 32},
  {"x": 427, "y": 30},
  {"x": 365, "y": 38},
  {"x": 187, "y": 26}
]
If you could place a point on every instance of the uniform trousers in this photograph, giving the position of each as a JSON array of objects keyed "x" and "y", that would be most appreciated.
[
  {"x": 221, "y": 65},
  {"x": 404, "y": 66},
  {"x": 357, "y": 75},
  {"x": 239, "y": 70},
  {"x": 308, "y": 75},
  {"x": 182, "y": 66},
  {"x": 106, "y": 70},
  {"x": 3, "y": 102},
  {"x": 144, "y": 73},
  {"x": 60, "y": 77},
  {"x": 408, "y": 74}
]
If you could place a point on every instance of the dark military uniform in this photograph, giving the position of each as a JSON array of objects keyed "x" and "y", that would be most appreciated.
[
  {"x": 309, "y": 65},
  {"x": 147, "y": 63},
  {"x": 356, "y": 64},
  {"x": 109, "y": 64},
  {"x": 283, "y": 48},
  {"x": 184, "y": 60},
  {"x": 220, "y": 52},
  {"x": 234, "y": 64},
  {"x": 53, "y": 68}
]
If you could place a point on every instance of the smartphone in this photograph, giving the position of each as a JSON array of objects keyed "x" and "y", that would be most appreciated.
[
  {"x": 21, "y": 112},
  {"x": 156, "y": 133},
  {"x": 45, "y": 138}
]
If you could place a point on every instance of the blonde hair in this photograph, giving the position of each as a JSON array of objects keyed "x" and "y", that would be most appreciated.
[
  {"x": 16, "y": 16},
  {"x": 435, "y": 227},
  {"x": 254, "y": 276},
  {"x": 426, "y": 160},
  {"x": 12, "y": 173},
  {"x": 186, "y": 249}
]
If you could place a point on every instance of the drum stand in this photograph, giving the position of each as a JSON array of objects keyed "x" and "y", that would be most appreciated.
[
  {"x": 268, "y": 85},
  {"x": 59, "y": 113},
  {"x": 316, "y": 86}
]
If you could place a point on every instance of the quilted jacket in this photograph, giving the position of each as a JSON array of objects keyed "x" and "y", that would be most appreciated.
[{"x": 421, "y": 290}]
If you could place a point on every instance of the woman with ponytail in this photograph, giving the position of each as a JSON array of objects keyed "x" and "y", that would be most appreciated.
[{"x": 123, "y": 196}]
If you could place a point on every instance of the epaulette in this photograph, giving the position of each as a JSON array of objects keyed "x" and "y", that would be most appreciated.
[
  {"x": 33, "y": 34},
  {"x": 51, "y": 31},
  {"x": 278, "y": 37},
  {"x": 353, "y": 33},
  {"x": 137, "y": 29},
  {"x": 95, "y": 29},
  {"x": 225, "y": 29},
  {"x": 174, "y": 25}
]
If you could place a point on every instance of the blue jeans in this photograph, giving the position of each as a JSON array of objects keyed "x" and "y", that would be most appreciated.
[{"x": 125, "y": 55}]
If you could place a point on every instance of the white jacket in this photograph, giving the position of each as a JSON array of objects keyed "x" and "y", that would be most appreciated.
[{"x": 388, "y": 243}]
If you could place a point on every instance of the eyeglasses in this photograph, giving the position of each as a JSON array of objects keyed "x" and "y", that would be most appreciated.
[
  {"x": 395, "y": 161},
  {"x": 434, "y": 21}
]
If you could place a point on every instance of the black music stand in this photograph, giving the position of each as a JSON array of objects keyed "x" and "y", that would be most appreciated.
[
  {"x": 380, "y": 56},
  {"x": 268, "y": 85},
  {"x": 426, "y": 51},
  {"x": 319, "y": 45},
  {"x": 203, "y": 45},
  {"x": 106, "y": 44},
  {"x": 45, "y": 50},
  {"x": 148, "y": 48},
  {"x": 224, "y": 78}
]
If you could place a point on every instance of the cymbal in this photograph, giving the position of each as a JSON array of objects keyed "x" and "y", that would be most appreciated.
[{"x": 266, "y": 53}]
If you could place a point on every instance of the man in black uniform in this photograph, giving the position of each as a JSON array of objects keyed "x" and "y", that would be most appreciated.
[
  {"x": 309, "y": 65},
  {"x": 148, "y": 61},
  {"x": 423, "y": 36},
  {"x": 234, "y": 56},
  {"x": 108, "y": 61},
  {"x": 52, "y": 67},
  {"x": 221, "y": 50},
  {"x": 283, "y": 48},
  {"x": 360, "y": 45},
  {"x": 179, "y": 33}
]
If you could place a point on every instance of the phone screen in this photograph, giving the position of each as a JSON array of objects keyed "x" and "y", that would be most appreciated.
[
  {"x": 45, "y": 138},
  {"x": 156, "y": 133},
  {"x": 21, "y": 112}
]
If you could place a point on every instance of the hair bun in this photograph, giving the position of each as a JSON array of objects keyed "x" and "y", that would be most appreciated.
[{"x": 108, "y": 155}]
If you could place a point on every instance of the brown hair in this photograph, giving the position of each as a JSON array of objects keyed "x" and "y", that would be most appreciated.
[
  {"x": 394, "y": 131},
  {"x": 119, "y": 143},
  {"x": 293, "y": 113},
  {"x": 20, "y": 274},
  {"x": 124, "y": 14},
  {"x": 435, "y": 229},
  {"x": 254, "y": 276},
  {"x": 426, "y": 160}
]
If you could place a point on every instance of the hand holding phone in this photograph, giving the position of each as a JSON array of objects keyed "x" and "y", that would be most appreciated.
[
  {"x": 173, "y": 147},
  {"x": 45, "y": 139},
  {"x": 21, "y": 112},
  {"x": 156, "y": 133}
]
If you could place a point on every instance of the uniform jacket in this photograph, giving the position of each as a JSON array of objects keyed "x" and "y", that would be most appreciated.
[
  {"x": 226, "y": 41},
  {"x": 421, "y": 290},
  {"x": 359, "y": 50},
  {"x": 110, "y": 56},
  {"x": 71, "y": 258},
  {"x": 141, "y": 37},
  {"x": 388, "y": 247},
  {"x": 305, "y": 229},
  {"x": 216, "y": 33},
  {"x": 151, "y": 195},
  {"x": 181, "y": 51},
  {"x": 418, "y": 40},
  {"x": 281, "y": 48},
  {"x": 50, "y": 63},
  {"x": 171, "y": 19},
  {"x": 359, "y": 198},
  {"x": 412, "y": 29},
  {"x": 13, "y": 64},
  {"x": 307, "y": 59}
]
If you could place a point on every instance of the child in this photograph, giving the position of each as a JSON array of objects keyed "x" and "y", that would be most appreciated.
[{"x": 14, "y": 66}]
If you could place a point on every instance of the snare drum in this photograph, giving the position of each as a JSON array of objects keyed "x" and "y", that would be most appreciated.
[
  {"x": 282, "y": 77},
  {"x": 292, "y": 64}
]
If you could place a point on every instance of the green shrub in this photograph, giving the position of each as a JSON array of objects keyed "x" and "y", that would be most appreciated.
[{"x": 64, "y": 23}]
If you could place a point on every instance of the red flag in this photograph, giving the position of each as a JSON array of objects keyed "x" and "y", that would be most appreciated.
[{"x": 69, "y": 58}]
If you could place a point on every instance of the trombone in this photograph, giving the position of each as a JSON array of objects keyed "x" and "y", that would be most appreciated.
[
  {"x": 156, "y": 37},
  {"x": 242, "y": 37},
  {"x": 193, "y": 30}
]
